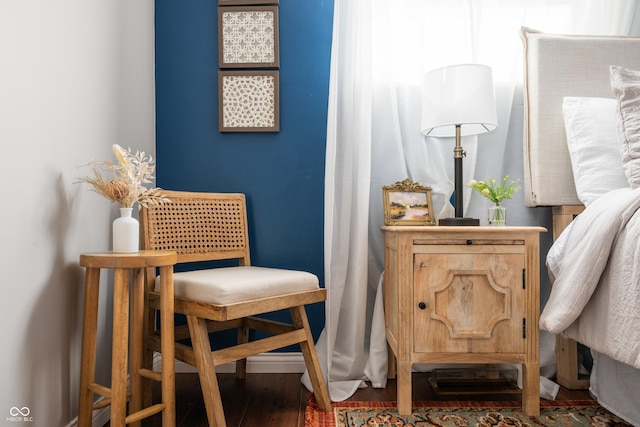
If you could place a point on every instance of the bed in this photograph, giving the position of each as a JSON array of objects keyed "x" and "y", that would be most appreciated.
[{"x": 582, "y": 157}]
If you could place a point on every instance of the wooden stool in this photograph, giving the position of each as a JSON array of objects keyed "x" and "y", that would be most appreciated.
[{"x": 116, "y": 395}]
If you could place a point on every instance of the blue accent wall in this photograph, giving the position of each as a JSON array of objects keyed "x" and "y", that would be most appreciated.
[{"x": 282, "y": 174}]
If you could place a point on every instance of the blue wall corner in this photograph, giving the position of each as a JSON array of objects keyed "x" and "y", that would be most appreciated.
[{"x": 282, "y": 174}]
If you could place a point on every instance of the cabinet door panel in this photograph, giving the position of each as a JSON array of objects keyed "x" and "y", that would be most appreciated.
[{"x": 469, "y": 302}]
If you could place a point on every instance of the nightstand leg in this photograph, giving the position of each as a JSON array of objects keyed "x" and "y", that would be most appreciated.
[
  {"x": 531, "y": 388},
  {"x": 391, "y": 363},
  {"x": 404, "y": 388}
]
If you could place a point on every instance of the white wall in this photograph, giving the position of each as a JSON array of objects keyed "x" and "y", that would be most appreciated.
[{"x": 76, "y": 76}]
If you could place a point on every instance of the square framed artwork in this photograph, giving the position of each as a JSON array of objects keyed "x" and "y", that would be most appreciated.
[
  {"x": 248, "y": 37},
  {"x": 407, "y": 203},
  {"x": 248, "y": 101},
  {"x": 240, "y": 2}
]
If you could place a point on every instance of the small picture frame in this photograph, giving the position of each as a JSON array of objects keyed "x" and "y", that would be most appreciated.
[
  {"x": 248, "y": 101},
  {"x": 407, "y": 203},
  {"x": 248, "y": 37}
]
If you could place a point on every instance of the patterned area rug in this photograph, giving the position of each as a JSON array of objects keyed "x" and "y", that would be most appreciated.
[{"x": 461, "y": 414}]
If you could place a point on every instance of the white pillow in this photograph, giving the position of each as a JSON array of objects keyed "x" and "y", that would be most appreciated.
[
  {"x": 591, "y": 128},
  {"x": 626, "y": 86}
]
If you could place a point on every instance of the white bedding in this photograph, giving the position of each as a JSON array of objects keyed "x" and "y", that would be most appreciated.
[{"x": 595, "y": 298}]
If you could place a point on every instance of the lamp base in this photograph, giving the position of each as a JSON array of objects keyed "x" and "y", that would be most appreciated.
[{"x": 451, "y": 222}]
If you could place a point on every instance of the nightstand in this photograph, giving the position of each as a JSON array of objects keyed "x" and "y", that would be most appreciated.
[{"x": 463, "y": 295}]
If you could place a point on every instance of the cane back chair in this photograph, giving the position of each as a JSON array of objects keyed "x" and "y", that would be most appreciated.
[{"x": 213, "y": 227}]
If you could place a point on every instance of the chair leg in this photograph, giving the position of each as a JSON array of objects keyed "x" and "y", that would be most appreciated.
[
  {"x": 241, "y": 364},
  {"x": 320, "y": 390},
  {"x": 206, "y": 371}
]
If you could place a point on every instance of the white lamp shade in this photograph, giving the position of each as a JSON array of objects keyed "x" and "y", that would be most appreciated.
[{"x": 458, "y": 95}]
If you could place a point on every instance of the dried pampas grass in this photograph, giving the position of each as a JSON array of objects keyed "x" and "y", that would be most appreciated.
[{"x": 124, "y": 182}]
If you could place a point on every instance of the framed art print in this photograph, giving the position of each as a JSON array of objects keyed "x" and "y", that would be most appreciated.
[
  {"x": 248, "y": 101},
  {"x": 248, "y": 37},
  {"x": 407, "y": 203}
]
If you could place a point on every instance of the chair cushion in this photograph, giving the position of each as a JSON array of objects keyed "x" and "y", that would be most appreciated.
[{"x": 229, "y": 285}]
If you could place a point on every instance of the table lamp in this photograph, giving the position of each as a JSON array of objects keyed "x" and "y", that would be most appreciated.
[{"x": 458, "y": 100}]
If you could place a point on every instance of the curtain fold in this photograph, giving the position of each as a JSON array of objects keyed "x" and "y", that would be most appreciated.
[
  {"x": 347, "y": 184},
  {"x": 381, "y": 49}
]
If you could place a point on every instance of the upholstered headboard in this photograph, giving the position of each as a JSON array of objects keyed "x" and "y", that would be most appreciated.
[{"x": 557, "y": 66}]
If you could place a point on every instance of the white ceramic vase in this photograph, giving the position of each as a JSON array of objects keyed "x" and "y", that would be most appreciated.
[{"x": 126, "y": 232}]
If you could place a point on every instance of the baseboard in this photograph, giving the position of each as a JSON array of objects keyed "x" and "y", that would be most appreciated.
[
  {"x": 99, "y": 419},
  {"x": 268, "y": 363}
]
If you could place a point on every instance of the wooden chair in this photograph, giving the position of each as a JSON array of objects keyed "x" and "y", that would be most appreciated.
[{"x": 213, "y": 227}]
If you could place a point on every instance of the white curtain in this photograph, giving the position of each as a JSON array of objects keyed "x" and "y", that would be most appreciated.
[{"x": 381, "y": 49}]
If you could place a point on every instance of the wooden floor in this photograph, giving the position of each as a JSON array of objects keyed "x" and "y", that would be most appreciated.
[{"x": 278, "y": 400}]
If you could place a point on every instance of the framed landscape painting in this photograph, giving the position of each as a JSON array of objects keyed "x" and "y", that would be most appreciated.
[{"x": 407, "y": 203}]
